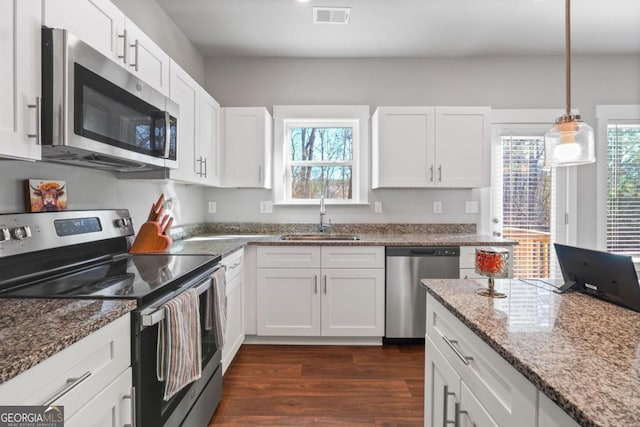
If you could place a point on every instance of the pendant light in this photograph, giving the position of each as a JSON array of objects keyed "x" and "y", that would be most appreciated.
[{"x": 570, "y": 141}]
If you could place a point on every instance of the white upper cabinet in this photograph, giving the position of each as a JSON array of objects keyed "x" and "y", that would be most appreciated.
[
  {"x": 208, "y": 158},
  {"x": 97, "y": 22},
  {"x": 247, "y": 147},
  {"x": 419, "y": 147},
  {"x": 146, "y": 59},
  {"x": 105, "y": 27},
  {"x": 198, "y": 130},
  {"x": 20, "y": 79}
]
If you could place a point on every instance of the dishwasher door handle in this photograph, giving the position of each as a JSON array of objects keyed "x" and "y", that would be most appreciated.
[{"x": 423, "y": 252}]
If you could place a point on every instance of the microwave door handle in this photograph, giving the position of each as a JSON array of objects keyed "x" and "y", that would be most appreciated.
[{"x": 167, "y": 134}]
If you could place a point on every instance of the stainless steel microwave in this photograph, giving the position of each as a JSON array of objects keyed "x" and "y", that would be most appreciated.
[{"x": 95, "y": 113}]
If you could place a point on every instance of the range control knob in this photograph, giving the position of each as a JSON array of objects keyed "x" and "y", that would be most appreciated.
[
  {"x": 4, "y": 234},
  {"x": 21, "y": 233}
]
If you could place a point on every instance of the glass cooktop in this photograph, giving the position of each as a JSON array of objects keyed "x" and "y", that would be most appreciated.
[{"x": 126, "y": 276}]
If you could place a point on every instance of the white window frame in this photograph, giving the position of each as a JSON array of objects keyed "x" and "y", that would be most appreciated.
[
  {"x": 605, "y": 115},
  {"x": 288, "y": 116}
]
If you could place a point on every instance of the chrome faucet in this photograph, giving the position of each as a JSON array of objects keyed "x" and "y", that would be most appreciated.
[{"x": 322, "y": 227}]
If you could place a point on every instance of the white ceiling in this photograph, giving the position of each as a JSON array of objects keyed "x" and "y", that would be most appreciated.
[{"x": 407, "y": 28}]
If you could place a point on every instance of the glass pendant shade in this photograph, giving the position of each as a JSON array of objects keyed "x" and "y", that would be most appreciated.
[{"x": 569, "y": 142}]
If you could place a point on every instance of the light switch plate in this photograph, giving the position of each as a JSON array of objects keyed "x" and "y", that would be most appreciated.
[
  {"x": 212, "y": 207},
  {"x": 377, "y": 207},
  {"x": 437, "y": 207},
  {"x": 266, "y": 206},
  {"x": 471, "y": 206}
]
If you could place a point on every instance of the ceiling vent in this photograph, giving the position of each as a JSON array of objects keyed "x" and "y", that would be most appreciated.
[{"x": 331, "y": 15}]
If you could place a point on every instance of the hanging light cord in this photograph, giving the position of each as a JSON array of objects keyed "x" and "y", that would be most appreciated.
[{"x": 568, "y": 53}]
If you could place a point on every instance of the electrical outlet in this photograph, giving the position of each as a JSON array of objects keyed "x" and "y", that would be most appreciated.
[
  {"x": 437, "y": 207},
  {"x": 266, "y": 206},
  {"x": 471, "y": 207},
  {"x": 377, "y": 207},
  {"x": 212, "y": 207}
]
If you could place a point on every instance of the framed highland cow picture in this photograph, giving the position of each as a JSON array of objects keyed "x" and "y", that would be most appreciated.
[{"x": 45, "y": 195}]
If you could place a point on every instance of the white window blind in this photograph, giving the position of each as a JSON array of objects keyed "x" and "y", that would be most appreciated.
[
  {"x": 527, "y": 200},
  {"x": 623, "y": 188}
]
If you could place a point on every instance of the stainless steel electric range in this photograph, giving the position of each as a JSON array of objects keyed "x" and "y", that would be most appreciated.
[{"x": 84, "y": 254}]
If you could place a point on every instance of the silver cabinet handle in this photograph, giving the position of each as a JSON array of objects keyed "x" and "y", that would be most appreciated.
[
  {"x": 204, "y": 162},
  {"x": 199, "y": 171},
  {"x": 459, "y": 412},
  {"x": 131, "y": 396},
  {"x": 450, "y": 343},
  {"x": 431, "y": 178},
  {"x": 315, "y": 284},
  {"x": 234, "y": 265},
  {"x": 325, "y": 284},
  {"x": 445, "y": 416},
  {"x": 125, "y": 45},
  {"x": 259, "y": 173},
  {"x": 440, "y": 173},
  {"x": 36, "y": 135},
  {"x": 71, "y": 384},
  {"x": 136, "y": 46}
]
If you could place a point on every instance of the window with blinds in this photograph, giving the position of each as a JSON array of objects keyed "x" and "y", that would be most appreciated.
[
  {"x": 527, "y": 203},
  {"x": 623, "y": 188}
]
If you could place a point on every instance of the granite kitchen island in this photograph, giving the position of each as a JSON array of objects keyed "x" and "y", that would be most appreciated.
[{"x": 534, "y": 358}]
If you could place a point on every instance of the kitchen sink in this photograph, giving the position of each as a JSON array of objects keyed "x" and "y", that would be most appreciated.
[{"x": 320, "y": 237}]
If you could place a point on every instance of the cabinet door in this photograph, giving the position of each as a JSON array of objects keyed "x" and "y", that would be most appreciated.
[
  {"x": 109, "y": 408},
  {"x": 184, "y": 90},
  {"x": 353, "y": 302},
  {"x": 19, "y": 78},
  {"x": 470, "y": 411},
  {"x": 403, "y": 141},
  {"x": 462, "y": 149},
  {"x": 550, "y": 414},
  {"x": 146, "y": 59},
  {"x": 288, "y": 302},
  {"x": 234, "y": 335},
  {"x": 209, "y": 138},
  {"x": 97, "y": 22},
  {"x": 441, "y": 388},
  {"x": 247, "y": 147}
]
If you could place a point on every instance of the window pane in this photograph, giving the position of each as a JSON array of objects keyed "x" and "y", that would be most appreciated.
[
  {"x": 310, "y": 182},
  {"x": 322, "y": 143},
  {"x": 526, "y": 204},
  {"x": 623, "y": 192}
]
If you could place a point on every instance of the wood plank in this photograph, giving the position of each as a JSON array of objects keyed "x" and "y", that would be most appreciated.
[{"x": 352, "y": 386}]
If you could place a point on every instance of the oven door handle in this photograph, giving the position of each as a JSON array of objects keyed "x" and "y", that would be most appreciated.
[{"x": 157, "y": 315}]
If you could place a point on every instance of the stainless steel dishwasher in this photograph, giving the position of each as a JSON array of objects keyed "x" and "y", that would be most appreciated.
[{"x": 406, "y": 298}]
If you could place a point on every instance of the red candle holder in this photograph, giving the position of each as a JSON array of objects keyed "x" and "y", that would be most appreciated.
[{"x": 493, "y": 263}]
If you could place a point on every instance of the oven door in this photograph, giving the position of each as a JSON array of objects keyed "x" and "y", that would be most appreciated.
[{"x": 195, "y": 402}]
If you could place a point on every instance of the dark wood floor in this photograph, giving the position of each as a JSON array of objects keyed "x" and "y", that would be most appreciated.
[{"x": 324, "y": 386}]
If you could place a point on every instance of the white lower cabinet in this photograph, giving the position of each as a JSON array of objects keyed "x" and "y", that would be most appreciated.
[
  {"x": 234, "y": 334},
  {"x": 468, "y": 384},
  {"x": 91, "y": 379},
  {"x": 492, "y": 392},
  {"x": 300, "y": 294},
  {"x": 111, "y": 407}
]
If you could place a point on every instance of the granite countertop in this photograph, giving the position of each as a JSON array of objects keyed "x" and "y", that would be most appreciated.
[
  {"x": 220, "y": 244},
  {"x": 31, "y": 330},
  {"x": 583, "y": 353}
]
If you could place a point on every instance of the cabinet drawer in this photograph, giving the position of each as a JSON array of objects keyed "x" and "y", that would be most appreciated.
[
  {"x": 508, "y": 397},
  {"x": 289, "y": 257},
  {"x": 353, "y": 257},
  {"x": 234, "y": 263},
  {"x": 111, "y": 407},
  {"x": 104, "y": 355}
]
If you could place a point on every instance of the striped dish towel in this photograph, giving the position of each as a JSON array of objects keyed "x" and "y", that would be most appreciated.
[
  {"x": 179, "y": 353},
  {"x": 216, "y": 310}
]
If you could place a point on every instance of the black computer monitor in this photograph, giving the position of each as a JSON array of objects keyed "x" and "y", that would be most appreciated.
[{"x": 611, "y": 277}]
